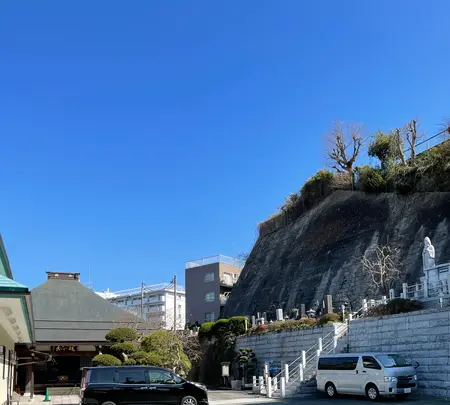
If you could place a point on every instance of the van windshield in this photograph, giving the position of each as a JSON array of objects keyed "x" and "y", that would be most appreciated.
[{"x": 393, "y": 360}]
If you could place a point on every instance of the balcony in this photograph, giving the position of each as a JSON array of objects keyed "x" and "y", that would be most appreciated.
[
  {"x": 215, "y": 259},
  {"x": 224, "y": 298},
  {"x": 227, "y": 282}
]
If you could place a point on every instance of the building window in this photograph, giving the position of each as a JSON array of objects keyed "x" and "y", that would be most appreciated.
[
  {"x": 179, "y": 296},
  {"x": 209, "y": 317},
  {"x": 210, "y": 297},
  {"x": 209, "y": 277}
]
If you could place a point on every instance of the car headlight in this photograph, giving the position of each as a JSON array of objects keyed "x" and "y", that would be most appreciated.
[
  {"x": 203, "y": 387},
  {"x": 390, "y": 379}
]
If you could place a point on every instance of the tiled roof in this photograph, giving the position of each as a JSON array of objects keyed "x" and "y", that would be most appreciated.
[
  {"x": 6, "y": 284},
  {"x": 67, "y": 311}
]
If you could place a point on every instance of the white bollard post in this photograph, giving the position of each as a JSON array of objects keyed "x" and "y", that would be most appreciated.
[
  {"x": 335, "y": 342},
  {"x": 261, "y": 384},
  {"x": 266, "y": 372},
  {"x": 304, "y": 358},
  {"x": 275, "y": 384},
  {"x": 283, "y": 388},
  {"x": 254, "y": 381},
  {"x": 269, "y": 387},
  {"x": 300, "y": 370},
  {"x": 320, "y": 344},
  {"x": 286, "y": 372},
  {"x": 318, "y": 353}
]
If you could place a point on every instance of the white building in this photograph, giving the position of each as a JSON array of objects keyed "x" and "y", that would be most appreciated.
[{"x": 155, "y": 303}]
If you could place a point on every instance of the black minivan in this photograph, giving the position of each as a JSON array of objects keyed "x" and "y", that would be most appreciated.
[{"x": 138, "y": 385}]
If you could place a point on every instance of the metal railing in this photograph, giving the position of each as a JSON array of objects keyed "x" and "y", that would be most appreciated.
[
  {"x": 215, "y": 259},
  {"x": 303, "y": 367}
]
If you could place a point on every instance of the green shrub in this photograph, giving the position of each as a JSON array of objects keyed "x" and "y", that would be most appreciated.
[
  {"x": 370, "y": 180},
  {"x": 316, "y": 185},
  {"x": 205, "y": 331},
  {"x": 396, "y": 306},
  {"x": 105, "y": 360},
  {"x": 329, "y": 318},
  {"x": 120, "y": 335},
  {"x": 129, "y": 362},
  {"x": 381, "y": 147},
  {"x": 126, "y": 348},
  {"x": 220, "y": 326},
  {"x": 281, "y": 326},
  {"x": 236, "y": 324}
]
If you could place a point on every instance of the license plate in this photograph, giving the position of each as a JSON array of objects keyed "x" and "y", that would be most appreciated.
[{"x": 407, "y": 390}]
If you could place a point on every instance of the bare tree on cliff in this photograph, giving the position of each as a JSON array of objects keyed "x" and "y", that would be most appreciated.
[
  {"x": 412, "y": 136},
  {"x": 382, "y": 265},
  {"x": 346, "y": 142}
]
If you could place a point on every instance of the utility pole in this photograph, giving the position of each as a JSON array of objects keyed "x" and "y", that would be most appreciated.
[
  {"x": 175, "y": 303},
  {"x": 142, "y": 300}
]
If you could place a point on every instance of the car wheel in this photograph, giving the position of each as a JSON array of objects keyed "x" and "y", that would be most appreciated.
[
  {"x": 401, "y": 397},
  {"x": 372, "y": 392},
  {"x": 188, "y": 401},
  {"x": 330, "y": 389},
  {"x": 108, "y": 403}
]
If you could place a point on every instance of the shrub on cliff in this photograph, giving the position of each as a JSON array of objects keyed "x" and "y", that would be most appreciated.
[
  {"x": 329, "y": 318},
  {"x": 395, "y": 306},
  {"x": 370, "y": 180},
  {"x": 205, "y": 331},
  {"x": 281, "y": 326}
]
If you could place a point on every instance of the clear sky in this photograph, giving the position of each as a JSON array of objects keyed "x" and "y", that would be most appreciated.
[{"x": 138, "y": 135}]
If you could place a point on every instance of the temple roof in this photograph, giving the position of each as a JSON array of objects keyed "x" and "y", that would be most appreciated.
[{"x": 67, "y": 311}]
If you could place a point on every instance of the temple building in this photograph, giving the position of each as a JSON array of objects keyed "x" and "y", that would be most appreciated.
[
  {"x": 16, "y": 325},
  {"x": 70, "y": 323}
]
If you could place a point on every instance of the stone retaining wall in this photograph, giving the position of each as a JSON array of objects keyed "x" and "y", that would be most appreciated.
[
  {"x": 283, "y": 347},
  {"x": 423, "y": 336}
]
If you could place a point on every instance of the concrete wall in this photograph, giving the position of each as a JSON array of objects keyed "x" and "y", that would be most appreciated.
[
  {"x": 6, "y": 341},
  {"x": 282, "y": 347},
  {"x": 423, "y": 335}
]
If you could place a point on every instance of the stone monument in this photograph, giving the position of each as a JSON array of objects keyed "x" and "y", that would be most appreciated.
[{"x": 428, "y": 254}]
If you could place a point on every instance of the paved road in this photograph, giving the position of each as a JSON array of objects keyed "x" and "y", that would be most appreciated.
[{"x": 242, "y": 398}]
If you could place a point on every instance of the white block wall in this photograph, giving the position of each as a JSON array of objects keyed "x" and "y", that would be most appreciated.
[{"x": 423, "y": 335}]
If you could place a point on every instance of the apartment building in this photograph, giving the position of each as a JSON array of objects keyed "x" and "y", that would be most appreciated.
[
  {"x": 154, "y": 303},
  {"x": 209, "y": 282}
]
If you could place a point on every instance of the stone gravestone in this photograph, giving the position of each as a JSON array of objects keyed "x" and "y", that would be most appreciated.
[
  {"x": 253, "y": 321},
  {"x": 328, "y": 304},
  {"x": 264, "y": 315},
  {"x": 302, "y": 311},
  {"x": 279, "y": 314}
]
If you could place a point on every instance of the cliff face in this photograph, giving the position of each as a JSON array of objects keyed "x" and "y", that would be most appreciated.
[{"x": 320, "y": 252}]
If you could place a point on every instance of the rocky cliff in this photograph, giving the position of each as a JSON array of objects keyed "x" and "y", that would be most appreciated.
[{"x": 320, "y": 252}]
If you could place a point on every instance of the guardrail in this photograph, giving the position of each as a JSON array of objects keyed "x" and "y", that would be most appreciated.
[{"x": 215, "y": 259}]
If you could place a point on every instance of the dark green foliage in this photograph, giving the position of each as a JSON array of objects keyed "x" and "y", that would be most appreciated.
[
  {"x": 370, "y": 180},
  {"x": 205, "y": 331},
  {"x": 317, "y": 184},
  {"x": 236, "y": 324},
  {"x": 396, "y": 306},
  {"x": 381, "y": 147},
  {"x": 126, "y": 348},
  {"x": 120, "y": 335},
  {"x": 105, "y": 360},
  {"x": 329, "y": 318},
  {"x": 129, "y": 362},
  {"x": 281, "y": 326}
]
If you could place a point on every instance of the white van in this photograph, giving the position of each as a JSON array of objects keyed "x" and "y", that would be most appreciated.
[{"x": 370, "y": 374}]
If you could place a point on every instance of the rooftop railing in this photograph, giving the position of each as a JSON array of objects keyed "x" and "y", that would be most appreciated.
[{"x": 215, "y": 259}]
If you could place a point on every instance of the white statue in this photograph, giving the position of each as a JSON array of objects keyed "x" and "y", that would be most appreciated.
[{"x": 428, "y": 254}]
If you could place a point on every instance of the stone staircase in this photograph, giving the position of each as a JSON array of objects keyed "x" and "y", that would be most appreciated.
[{"x": 298, "y": 377}]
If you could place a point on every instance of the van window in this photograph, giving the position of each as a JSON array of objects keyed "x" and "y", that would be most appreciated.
[
  {"x": 160, "y": 377},
  {"x": 393, "y": 360},
  {"x": 131, "y": 376},
  {"x": 338, "y": 363},
  {"x": 101, "y": 375},
  {"x": 370, "y": 362}
]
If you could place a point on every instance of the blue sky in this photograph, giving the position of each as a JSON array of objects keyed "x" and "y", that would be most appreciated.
[{"x": 138, "y": 135}]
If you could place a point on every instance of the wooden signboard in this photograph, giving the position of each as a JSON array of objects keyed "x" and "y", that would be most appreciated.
[{"x": 64, "y": 349}]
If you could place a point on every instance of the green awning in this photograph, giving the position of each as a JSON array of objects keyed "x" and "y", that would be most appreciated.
[{"x": 8, "y": 285}]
